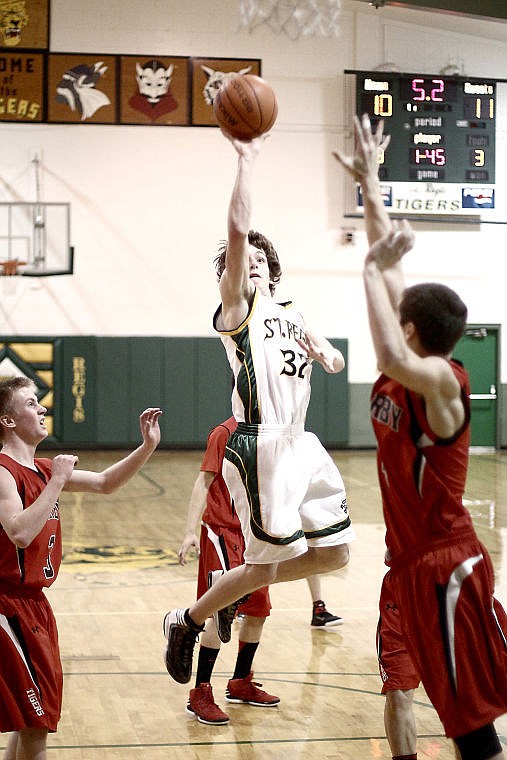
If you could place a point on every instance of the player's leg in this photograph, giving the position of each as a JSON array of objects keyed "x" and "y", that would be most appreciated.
[
  {"x": 399, "y": 676},
  {"x": 231, "y": 586},
  {"x": 30, "y": 744},
  {"x": 201, "y": 703},
  {"x": 242, "y": 688},
  {"x": 321, "y": 617},
  {"x": 213, "y": 554},
  {"x": 316, "y": 560},
  {"x": 182, "y": 627},
  {"x": 209, "y": 648},
  {"x": 243, "y": 580},
  {"x": 399, "y": 723}
]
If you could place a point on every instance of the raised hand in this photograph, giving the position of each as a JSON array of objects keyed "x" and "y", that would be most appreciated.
[
  {"x": 150, "y": 429},
  {"x": 367, "y": 149},
  {"x": 391, "y": 248}
]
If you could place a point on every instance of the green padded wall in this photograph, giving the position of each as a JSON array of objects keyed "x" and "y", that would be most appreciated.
[
  {"x": 328, "y": 413},
  {"x": 102, "y": 384}
]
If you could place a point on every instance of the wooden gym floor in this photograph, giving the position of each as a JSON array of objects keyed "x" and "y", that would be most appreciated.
[{"x": 120, "y": 575}]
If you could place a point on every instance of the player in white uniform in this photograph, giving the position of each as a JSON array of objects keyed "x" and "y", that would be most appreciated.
[
  {"x": 287, "y": 492},
  {"x": 286, "y": 489}
]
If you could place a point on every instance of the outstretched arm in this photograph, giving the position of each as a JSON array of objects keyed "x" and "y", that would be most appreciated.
[
  {"x": 388, "y": 339},
  {"x": 429, "y": 375},
  {"x": 119, "y": 473},
  {"x": 236, "y": 287},
  {"x": 363, "y": 167},
  {"x": 320, "y": 349}
]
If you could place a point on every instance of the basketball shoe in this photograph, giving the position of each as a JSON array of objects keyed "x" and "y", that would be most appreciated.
[
  {"x": 321, "y": 618},
  {"x": 223, "y": 618},
  {"x": 247, "y": 691},
  {"x": 181, "y": 638},
  {"x": 202, "y": 705}
]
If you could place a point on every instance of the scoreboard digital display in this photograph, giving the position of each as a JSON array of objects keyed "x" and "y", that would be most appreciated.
[{"x": 442, "y": 132}]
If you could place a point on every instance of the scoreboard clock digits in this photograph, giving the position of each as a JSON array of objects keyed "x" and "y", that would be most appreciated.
[{"x": 442, "y": 128}]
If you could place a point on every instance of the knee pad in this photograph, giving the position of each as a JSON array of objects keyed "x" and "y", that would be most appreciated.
[{"x": 479, "y": 745}]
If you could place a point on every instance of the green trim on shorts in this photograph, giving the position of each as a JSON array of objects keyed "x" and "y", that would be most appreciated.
[
  {"x": 248, "y": 475},
  {"x": 329, "y": 530}
]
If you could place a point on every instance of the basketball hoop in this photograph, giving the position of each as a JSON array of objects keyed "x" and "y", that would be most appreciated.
[
  {"x": 10, "y": 274},
  {"x": 292, "y": 17},
  {"x": 10, "y": 267}
]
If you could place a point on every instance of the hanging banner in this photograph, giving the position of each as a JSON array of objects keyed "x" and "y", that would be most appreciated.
[
  {"x": 21, "y": 87},
  {"x": 208, "y": 75},
  {"x": 82, "y": 88},
  {"x": 24, "y": 24},
  {"x": 154, "y": 90}
]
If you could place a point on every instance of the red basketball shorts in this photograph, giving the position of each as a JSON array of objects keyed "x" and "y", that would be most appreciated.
[
  {"x": 222, "y": 549},
  {"x": 396, "y": 668},
  {"x": 454, "y": 632},
  {"x": 30, "y": 669}
]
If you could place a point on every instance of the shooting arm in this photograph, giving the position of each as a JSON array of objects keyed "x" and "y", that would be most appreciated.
[{"x": 235, "y": 285}]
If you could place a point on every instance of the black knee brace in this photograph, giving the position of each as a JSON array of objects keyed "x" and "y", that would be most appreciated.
[{"x": 479, "y": 745}]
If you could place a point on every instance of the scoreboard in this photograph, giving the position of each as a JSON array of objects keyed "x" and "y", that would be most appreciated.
[{"x": 441, "y": 156}]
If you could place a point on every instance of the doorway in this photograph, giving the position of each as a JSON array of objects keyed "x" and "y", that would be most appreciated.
[{"x": 478, "y": 350}]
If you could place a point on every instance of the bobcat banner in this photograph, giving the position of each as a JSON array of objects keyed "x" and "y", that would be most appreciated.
[{"x": 208, "y": 75}]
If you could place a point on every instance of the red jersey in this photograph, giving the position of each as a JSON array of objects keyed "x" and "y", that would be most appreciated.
[
  {"x": 36, "y": 566},
  {"x": 219, "y": 510},
  {"x": 422, "y": 477}
]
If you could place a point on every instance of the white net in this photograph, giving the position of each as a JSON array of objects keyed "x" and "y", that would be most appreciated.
[{"x": 292, "y": 17}]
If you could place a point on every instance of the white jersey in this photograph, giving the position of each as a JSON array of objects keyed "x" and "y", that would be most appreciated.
[{"x": 271, "y": 371}]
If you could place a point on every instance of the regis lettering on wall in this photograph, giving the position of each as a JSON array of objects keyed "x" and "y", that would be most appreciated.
[{"x": 78, "y": 388}]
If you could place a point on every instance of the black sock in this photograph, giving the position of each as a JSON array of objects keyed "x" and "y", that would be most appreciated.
[
  {"x": 205, "y": 664},
  {"x": 191, "y": 624},
  {"x": 244, "y": 660}
]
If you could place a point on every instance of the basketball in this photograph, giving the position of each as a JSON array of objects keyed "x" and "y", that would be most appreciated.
[{"x": 245, "y": 106}]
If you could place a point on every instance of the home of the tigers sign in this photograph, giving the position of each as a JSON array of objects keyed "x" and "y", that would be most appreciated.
[{"x": 22, "y": 87}]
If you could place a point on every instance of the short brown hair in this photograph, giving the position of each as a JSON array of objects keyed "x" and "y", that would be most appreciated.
[
  {"x": 8, "y": 387},
  {"x": 262, "y": 243},
  {"x": 438, "y": 314}
]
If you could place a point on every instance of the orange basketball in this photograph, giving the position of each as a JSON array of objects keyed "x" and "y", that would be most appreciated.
[{"x": 245, "y": 106}]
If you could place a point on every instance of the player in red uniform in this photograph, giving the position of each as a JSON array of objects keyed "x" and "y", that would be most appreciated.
[
  {"x": 30, "y": 556},
  {"x": 221, "y": 547},
  {"x": 440, "y": 583}
]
